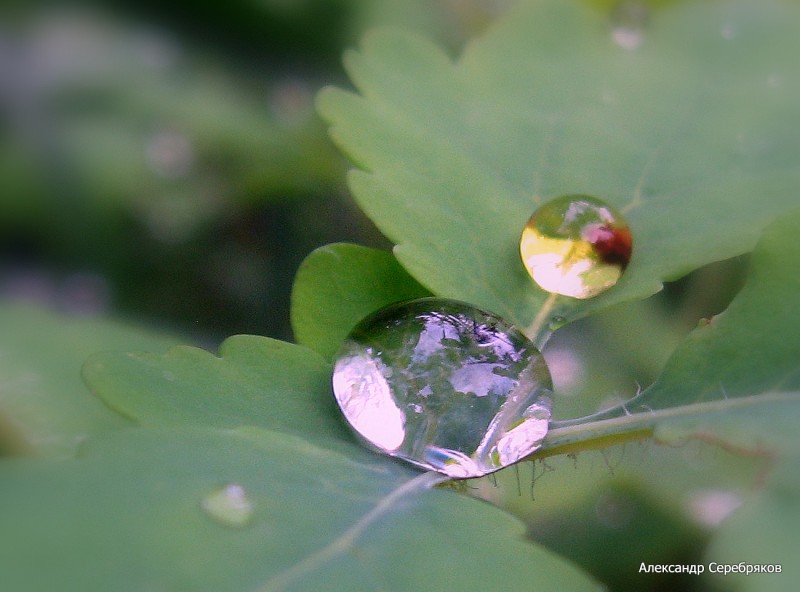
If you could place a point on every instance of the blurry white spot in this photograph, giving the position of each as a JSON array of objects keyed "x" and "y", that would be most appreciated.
[
  {"x": 229, "y": 505},
  {"x": 629, "y": 20},
  {"x": 774, "y": 80},
  {"x": 710, "y": 507},
  {"x": 292, "y": 102},
  {"x": 169, "y": 154},
  {"x": 614, "y": 510},
  {"x": 566, "y": 368},
  {"x": 728, "y": 31},
  {"x": 84, "y": 294},
  {"x": 627, "y": 38}
]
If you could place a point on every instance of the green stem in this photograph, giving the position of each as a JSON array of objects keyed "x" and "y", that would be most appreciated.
[
  {"x": 539, "y": 330},
  {"x": 637, "y": 426}
]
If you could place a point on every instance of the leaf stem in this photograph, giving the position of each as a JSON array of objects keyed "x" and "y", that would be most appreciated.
[
  {"x": 539, "y": 330},
  {"x": 637, "y": 426},
  {"x": 347, "y": 539}
]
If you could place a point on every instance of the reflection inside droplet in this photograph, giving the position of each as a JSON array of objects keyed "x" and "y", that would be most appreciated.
[
  {"x": 445, "y": 386},
  {"x": 229, "y": 505},
  {"x": 365, "y": 396},
  {"x": 529, "y": 433},
  {"x": 576, "y": 245}
]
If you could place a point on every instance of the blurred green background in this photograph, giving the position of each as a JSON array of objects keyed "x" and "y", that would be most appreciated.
[{"x": 165, "y": 163}]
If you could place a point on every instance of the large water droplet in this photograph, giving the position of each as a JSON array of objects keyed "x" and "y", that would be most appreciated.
[
  {"x": 576, "y": 245},
  {"x": 229, "y": 505},
  {"x": 445, "y": 386}
]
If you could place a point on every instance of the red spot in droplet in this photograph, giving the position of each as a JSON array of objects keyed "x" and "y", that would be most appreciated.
[{"x": 613, "y": 245}]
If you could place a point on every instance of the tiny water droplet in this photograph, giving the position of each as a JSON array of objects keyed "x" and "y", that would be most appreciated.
[
  {"x": 229, "y": 505},
  {"x": 576, "y": 245},
  {"x": 467, "y": 395},
  {"x": 628, "y": 24}
]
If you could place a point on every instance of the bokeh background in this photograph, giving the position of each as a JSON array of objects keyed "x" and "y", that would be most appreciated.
[{"x": 163, "y": 161}]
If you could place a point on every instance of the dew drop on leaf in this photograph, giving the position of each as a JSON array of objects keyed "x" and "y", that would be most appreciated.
[
  {"x": 445, "y": 386},
  {"x": 229, "y": 505},
  {"x": 576, "y": 245}
]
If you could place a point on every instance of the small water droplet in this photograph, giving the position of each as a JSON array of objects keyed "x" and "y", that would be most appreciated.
[
  {"x": 576, "y": 245},
  {"x": 628, "y": 24},
  {"x": 229, "y": 505},
  {"x": 468, "y": 393}
]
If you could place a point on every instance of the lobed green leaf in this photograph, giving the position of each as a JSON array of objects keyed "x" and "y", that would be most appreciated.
[
  {"x": 255, "y": 381},
  {"x": 754, "y": 345},
  {"x": 45, "y": 409},
  {"x": 687, "y": 132},
  {"x": 338, "y": 285},
  {"x": 129, "y": 515}
]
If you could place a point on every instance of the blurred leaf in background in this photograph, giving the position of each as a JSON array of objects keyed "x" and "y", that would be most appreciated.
[{"x": 169, "y": 157}]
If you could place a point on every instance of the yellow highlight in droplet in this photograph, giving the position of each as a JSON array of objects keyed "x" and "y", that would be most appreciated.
[{"x": 576, "y": 245}]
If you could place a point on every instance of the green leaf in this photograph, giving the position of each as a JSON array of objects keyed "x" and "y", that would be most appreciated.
[
  {"x": 754, "y": 345},
  {"x": 688, "y": 133},
  {"x": 764, "y": 530},
  {"x": 750, "y": 349},
  {"x": 716, "y": 390},
  {"x": 129, "y": 515},
  {"x": 760, "y": 426},
  {"x": 255, "y": 381},
  {"x": 45, "y": 409},
  {"x": 338, "y": 285}
]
